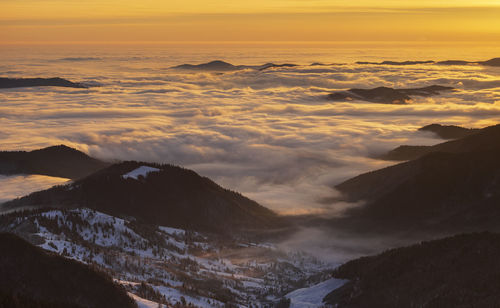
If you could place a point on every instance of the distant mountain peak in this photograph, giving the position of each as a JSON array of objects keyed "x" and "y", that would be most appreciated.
[
  {"x": 165, "y": 195},
  {"x": 387, "y": 95},
  {"x": 59, "y": 160}
]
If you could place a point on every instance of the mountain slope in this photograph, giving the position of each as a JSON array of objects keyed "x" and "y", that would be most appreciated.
[
  {"x": 474, "y": 140},
  {"x": 448, "y": 131},
  {"x": 30, "y": 277},
  {"x": 455, "y": 190},
  {"x": 460, "y": 271},
  {"x": 172, "y": 196},
  {"x": 58, "y": 161}
]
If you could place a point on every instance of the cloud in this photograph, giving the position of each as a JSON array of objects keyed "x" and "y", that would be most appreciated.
[
  {"x": 19, "y": 185},
  {"x": 270, "y": 135}
]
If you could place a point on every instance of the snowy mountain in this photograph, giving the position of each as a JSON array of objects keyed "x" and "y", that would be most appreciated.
[
  {"x": 167, "y": 265},
  {"x": 169, "y": 196}
]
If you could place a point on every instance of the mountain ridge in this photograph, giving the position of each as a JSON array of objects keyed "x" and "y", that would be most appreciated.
[
  {"x": 59, "y": 161},
  {"x": 6, "y": 83},
  {"x": 174, "y": 196}
]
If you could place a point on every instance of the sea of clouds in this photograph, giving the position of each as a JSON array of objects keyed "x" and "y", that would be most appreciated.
[{"x": 270, "y": 134}]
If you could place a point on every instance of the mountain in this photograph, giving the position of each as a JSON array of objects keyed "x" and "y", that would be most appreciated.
[
  {"x": 459, "y": 271},
  {"x": 170, "y": 265},
  {"x": 491, "y": 62},
  {"x": 210, "y": 66},
  {"x": 59, "y": 161},
  {"x": 272, "y": 65},
  {"x": 456, "y": 187},
  {"x": 454, "y": 62},
  {"x": 37, "y": 82},
  {"x": 448, "y": 131},
  {"x": 406, "y": 152},
  {"x": 397, "y": 62},
  {"x": 387, "y": 95},
  {"x": 159, "y": 194},
  {"x": 224, "y": 66},
  {"x": 474, "y": 140},
  {"x": 31, "y": 277}
]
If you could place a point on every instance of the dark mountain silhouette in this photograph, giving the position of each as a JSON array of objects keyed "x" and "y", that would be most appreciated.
[
  {"x": 459, "y": 271},
  {"x": 210, "y": 66},
  {"x": 406, "y": 152},
  {"x": 486, "y": 140},
  {"x": 38, "y": 82},
  {"x": 60, "y": 161},
  {"x": 454, "y": 62},
  {"x": 173, "y": 196},
  {"x": 272, "y": 65},
  {"x": 456, "y": 187},
  {"x": 224, "y": 66},
  {"x": 491, "y": 62},
  {"x": 31, "y": 277},
  {"x": 448, "y": 131},
  {"x": 397, "y": 62},
  {"x": 387, "y": 95}
]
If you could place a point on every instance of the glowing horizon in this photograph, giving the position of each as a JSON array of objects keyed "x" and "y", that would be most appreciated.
[{"x": 223, "y": 20}]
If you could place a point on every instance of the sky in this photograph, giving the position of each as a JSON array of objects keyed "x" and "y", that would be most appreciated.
[{"x": 242, "y": 20}]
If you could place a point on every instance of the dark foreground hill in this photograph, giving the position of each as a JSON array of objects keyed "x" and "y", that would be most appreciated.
[
  {"x": 460, "y": 271},
  {"x": 31, "y": 277},
  {"x": 59, "y": 161},
  {"x": 38, "y": 82},
  {"x": 469, "y": 140},
  {"x": 387, "y": 95},
  {"x": 172, "y": 196},
  {"x": 456, "y": 188}
]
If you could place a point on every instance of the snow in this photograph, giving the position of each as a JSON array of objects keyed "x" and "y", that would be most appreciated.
[
  {"x": 313, "y": 296},
  {"x": 141, "y": 171},
  {"x": 144, "y": 303},
  {"x": 246, "y": 270},
  {"x": 172, "y": 231}
]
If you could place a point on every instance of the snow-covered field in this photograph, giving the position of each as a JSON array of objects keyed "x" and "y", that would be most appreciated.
[{"x": 167, "y": 265}]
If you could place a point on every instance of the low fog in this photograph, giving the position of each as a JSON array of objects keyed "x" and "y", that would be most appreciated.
[{"x": 270, "y": 135}]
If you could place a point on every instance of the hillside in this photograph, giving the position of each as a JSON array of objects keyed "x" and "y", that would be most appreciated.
[
  {"x": 469, "y": 140},
  {"x": 448, "y": 131},
  {"x": 171, "y": 265},
  {"x": 31, "y": 277},
  {"x": 58, "y": 161},
  {"x": 454, "y": 190},
  {"x": 171, "y": 196},
  {"x": 459, "y": 271}
]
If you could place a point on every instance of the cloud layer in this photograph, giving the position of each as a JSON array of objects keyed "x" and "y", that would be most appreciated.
[{"x": 268, "y": 134}]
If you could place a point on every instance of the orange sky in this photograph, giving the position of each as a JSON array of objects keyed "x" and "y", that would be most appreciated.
[{"x": 243, "y": 20}]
